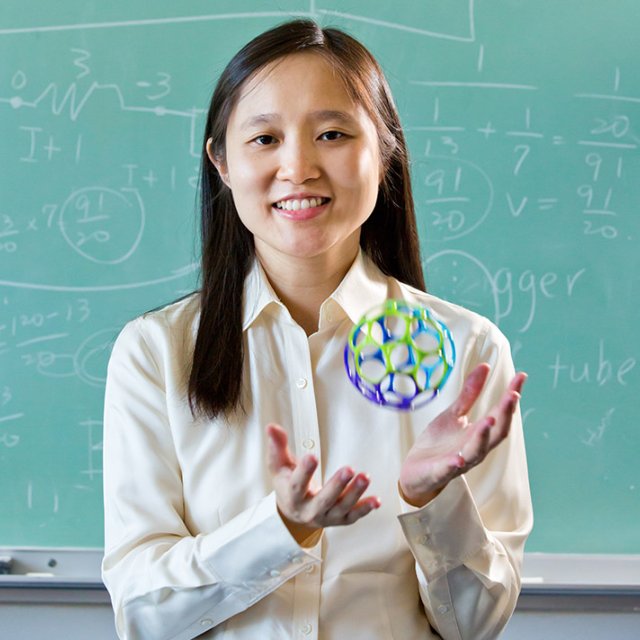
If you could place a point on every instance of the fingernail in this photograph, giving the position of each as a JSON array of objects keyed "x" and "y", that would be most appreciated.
[
  {"x": 346, "y": 475},
  {"x": 363, "y": 479}
]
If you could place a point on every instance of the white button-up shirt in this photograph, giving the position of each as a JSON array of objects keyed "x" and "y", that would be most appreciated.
[{"x": 194, "y": 542}]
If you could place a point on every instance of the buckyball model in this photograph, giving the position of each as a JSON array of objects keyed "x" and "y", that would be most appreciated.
[{"x": 399, "y": 355}]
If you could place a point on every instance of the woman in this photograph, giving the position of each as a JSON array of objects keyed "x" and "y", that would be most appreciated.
[{"x": 250, "y": 492}]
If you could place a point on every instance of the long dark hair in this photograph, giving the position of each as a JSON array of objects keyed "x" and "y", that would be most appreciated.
[{"x": 389, "y": 236}]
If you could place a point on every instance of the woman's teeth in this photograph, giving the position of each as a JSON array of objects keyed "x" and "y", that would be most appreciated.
[{"x": 296, "y": 205}]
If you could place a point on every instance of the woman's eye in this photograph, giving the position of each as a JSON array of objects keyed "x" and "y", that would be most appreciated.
[
  {"x": 332, "y": 135},
  {"x": 264, "y": 140}
]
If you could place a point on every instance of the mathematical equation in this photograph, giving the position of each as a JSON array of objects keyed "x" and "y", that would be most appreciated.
[{"x": 457, "y": 195}]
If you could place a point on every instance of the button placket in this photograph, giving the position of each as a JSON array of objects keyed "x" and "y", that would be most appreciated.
[
  {"x": 306, "y": 604},
  {"x": 305, "y": 412}
]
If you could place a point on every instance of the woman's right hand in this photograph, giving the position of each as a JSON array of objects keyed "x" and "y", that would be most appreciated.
[{"x": 304, "y": 507}]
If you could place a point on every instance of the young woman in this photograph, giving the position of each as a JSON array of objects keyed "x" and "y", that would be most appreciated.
[{"x": 250, "y": 491}]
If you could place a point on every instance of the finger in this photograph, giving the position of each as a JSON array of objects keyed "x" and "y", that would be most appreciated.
[
  {"x": 326, "y": 498},
  {"x": 471, "y": 389},
  {"x": 518, "y": 382},
  {"x": 301, "y": 479},
  {"x": 504, "y": 415},
  {"x": 278, "y": 454},
  {"x": 361, "y": 509},
  {"x": 349, "y": 497},
  {"x": 509, "y": 401},
  {"x": 446, "y": 469},
  {"x": 475, "y": 449},
  {"x": 505, "y": 409}
]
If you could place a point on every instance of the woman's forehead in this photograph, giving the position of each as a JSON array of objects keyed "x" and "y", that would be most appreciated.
[{"x": 303, "y": 78}]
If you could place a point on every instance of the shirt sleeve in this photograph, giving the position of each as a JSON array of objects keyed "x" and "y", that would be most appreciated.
[
  {"x": 468, "y": 542},
  {"x": 151, "y": 558}
]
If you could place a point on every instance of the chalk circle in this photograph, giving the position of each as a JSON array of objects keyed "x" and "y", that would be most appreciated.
[
  {"x": 453, "y": 197},
  {"x": 103, "y": 225},
  {"x": 462, "y": 278},
  {"x": 91, "y": 358}
]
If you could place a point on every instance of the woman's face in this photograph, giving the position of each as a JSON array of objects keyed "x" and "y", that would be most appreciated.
[{"x": 302, "y": 161}]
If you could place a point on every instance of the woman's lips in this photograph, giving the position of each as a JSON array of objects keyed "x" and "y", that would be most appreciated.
[{"x": 300, "y": 208}]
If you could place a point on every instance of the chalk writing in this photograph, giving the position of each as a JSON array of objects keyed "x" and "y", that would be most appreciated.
[
  {"x": 512, "y": 293},
  {"x": 600, "y": 370},
  {"x": 26, "y": 327},
  {"x": 594, "y": 436},
  {"x": 452, "y": 213},
  {"x": 94, "y": 448},
  {"x": 8, "y": 421}
]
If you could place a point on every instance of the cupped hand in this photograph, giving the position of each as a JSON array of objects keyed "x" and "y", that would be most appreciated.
[
  {"x": 451, "y": 445},
  {"x": 305, "y": 507}
]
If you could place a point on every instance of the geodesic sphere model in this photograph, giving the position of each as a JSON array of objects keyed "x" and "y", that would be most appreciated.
[{"x": 399, "y": 355}]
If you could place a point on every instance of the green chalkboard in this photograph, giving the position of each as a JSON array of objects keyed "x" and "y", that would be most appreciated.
[{"x": 523, "y": 123}]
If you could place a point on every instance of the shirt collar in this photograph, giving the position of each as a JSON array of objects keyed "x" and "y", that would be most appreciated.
[
  {"x": 363, "y": 287},
  {"x": 258, "y": 294}
]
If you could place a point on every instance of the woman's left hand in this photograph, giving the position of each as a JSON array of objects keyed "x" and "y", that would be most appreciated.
[{"x": 450, "y": 445}]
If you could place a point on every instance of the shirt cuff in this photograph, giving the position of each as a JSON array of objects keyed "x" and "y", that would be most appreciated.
[
  {"x": 446, "y": 531},
  {"x": 255, "y": 551}
]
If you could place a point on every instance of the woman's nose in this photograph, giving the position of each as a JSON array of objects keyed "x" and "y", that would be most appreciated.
[{"x": 298, "y": 162}]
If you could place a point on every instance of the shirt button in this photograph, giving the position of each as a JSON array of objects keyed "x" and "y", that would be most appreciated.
[
  {"x": 307, "y": 629},
  {"x": 274, "y": 573},
  {"x": 308, "y": 443},
  {"x": 310, "y": 568},
  {"x": 443, "y": 608},
  {"x": 206, "y": 622},
  {"x": 301, "y": 383}
]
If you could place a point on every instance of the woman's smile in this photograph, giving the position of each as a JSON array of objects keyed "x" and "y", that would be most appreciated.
[{"x": 301, "y": 206}]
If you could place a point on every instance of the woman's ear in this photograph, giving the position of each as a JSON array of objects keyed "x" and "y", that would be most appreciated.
[{"x": 218, "y": 162}]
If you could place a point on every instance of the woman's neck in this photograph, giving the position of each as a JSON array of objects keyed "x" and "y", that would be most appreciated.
[{"x": 303, "y": 284}]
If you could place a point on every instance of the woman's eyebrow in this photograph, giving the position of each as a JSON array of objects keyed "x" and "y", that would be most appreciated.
[
  {"x": 259, "y": 119},
  {"x": 331, "y": 114},
  {"x": 322, "y": 115}
]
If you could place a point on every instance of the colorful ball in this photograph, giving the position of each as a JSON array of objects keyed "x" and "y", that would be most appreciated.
[{"x": 399, "y": 355}]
